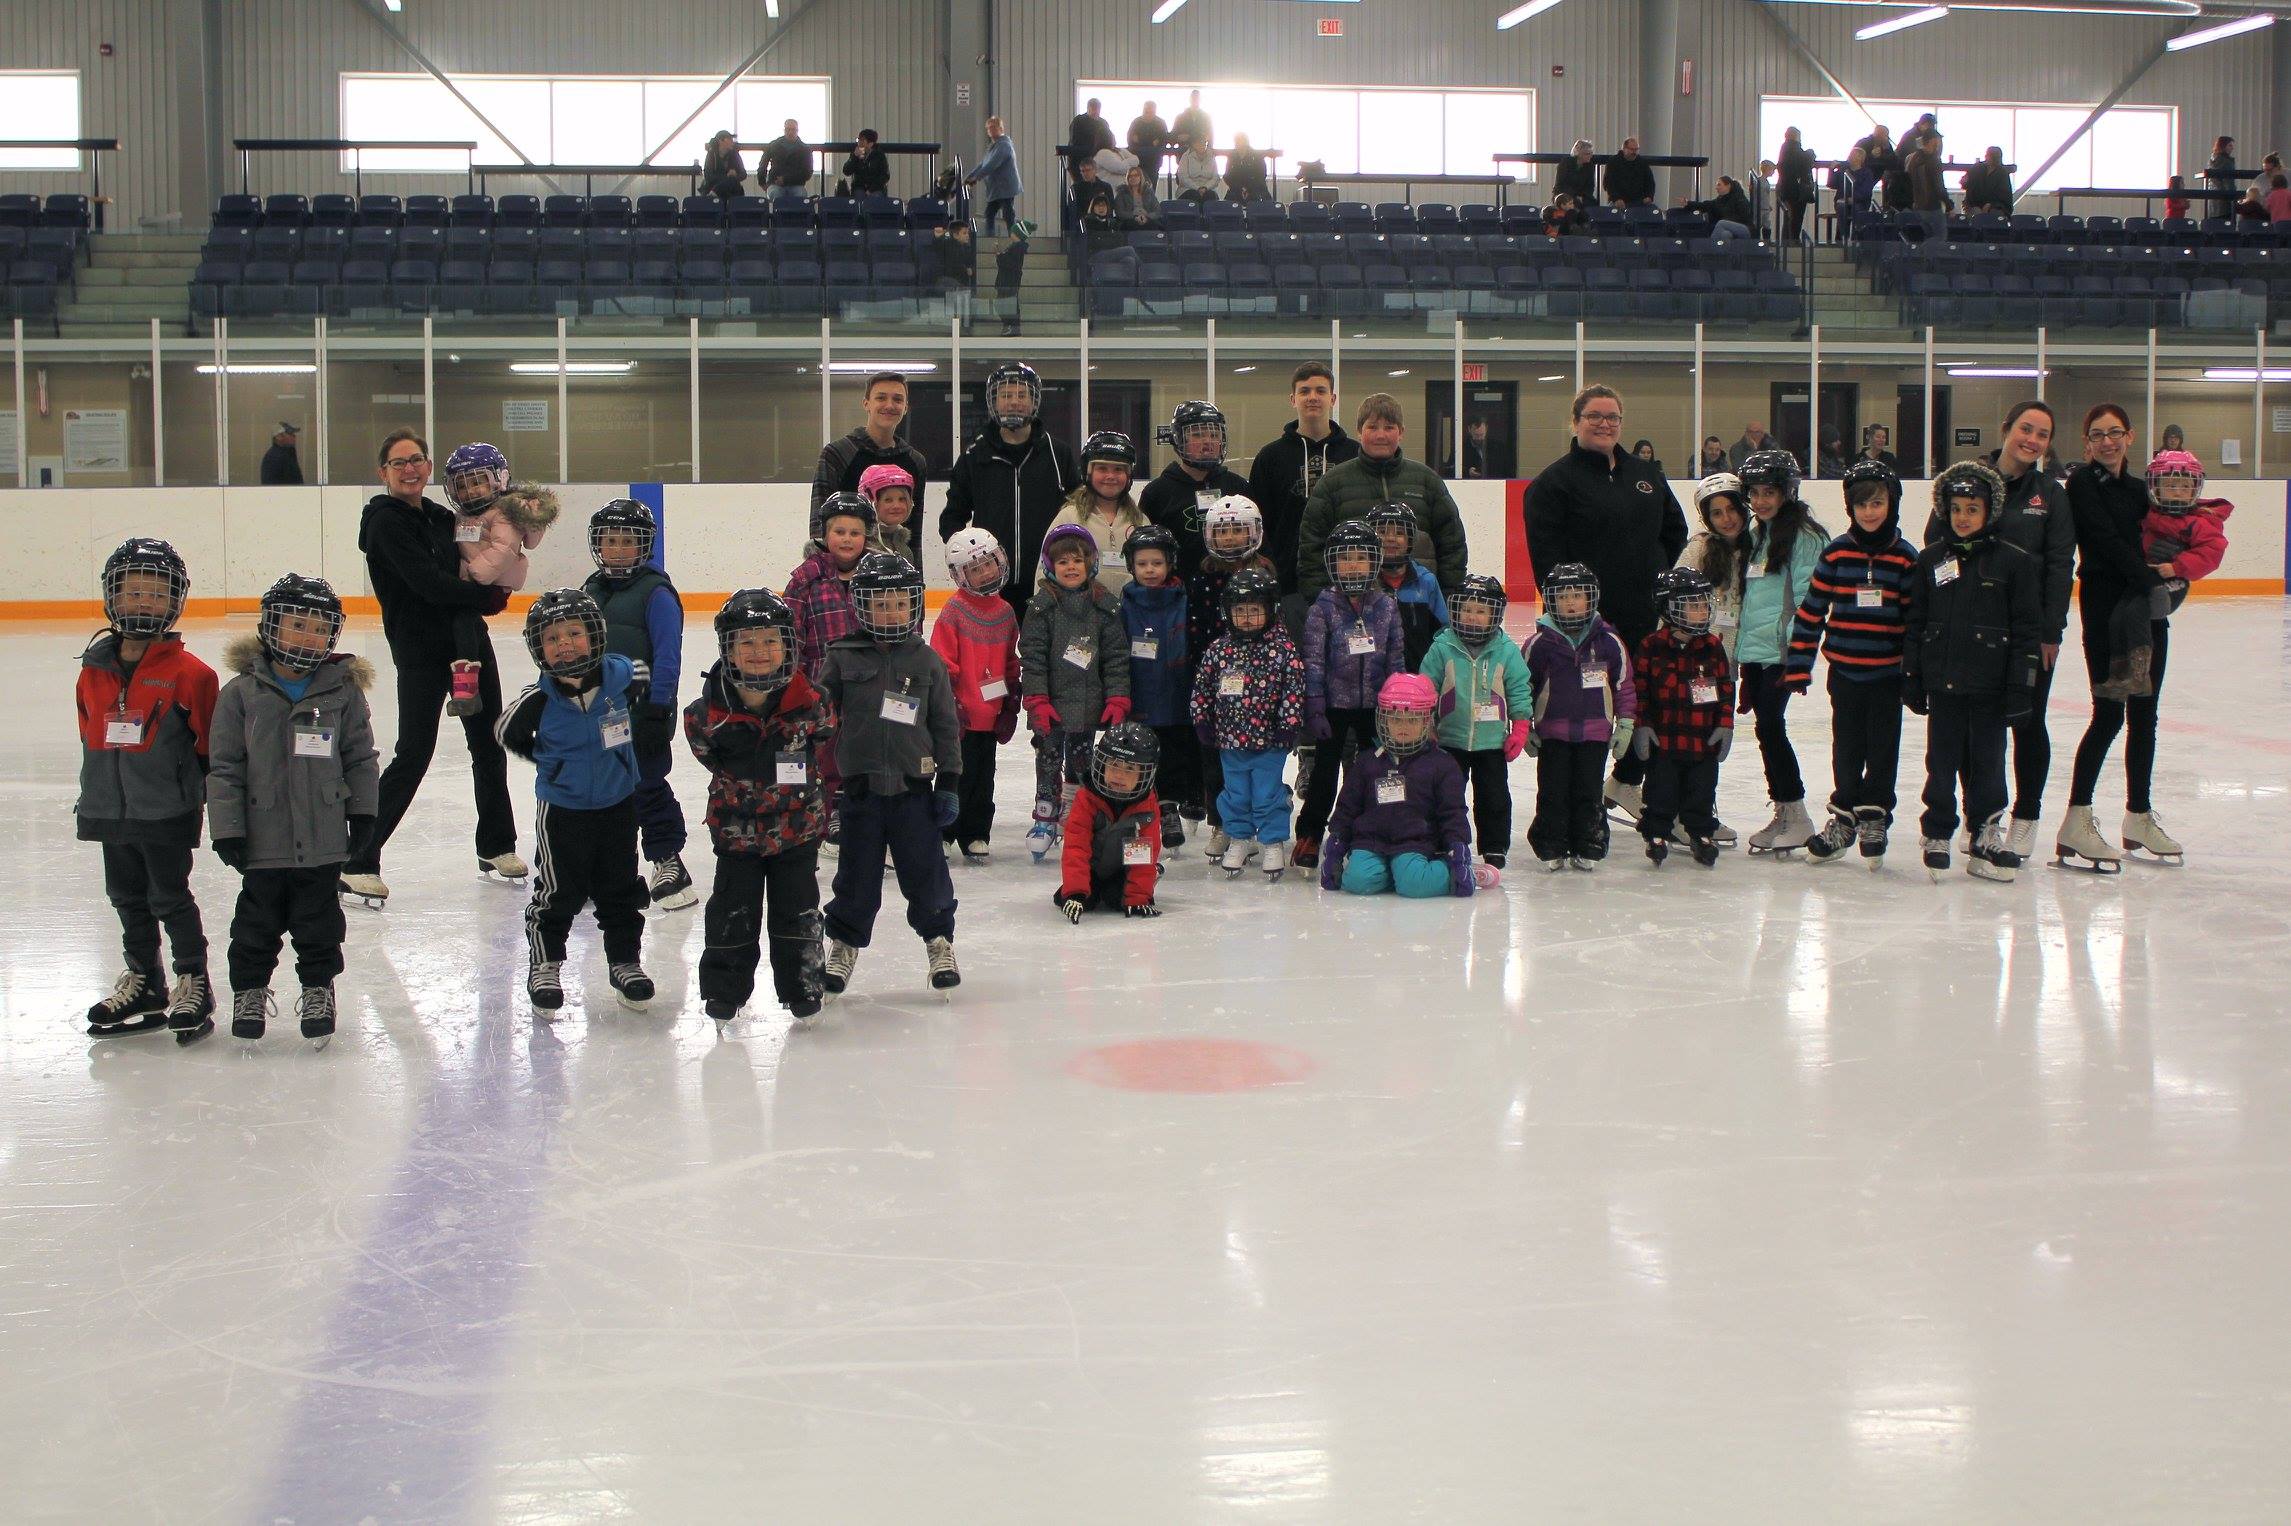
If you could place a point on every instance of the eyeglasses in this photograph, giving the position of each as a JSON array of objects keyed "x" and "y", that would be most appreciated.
[
  {"x": 397, "y": 462},
  {"x": 2108, "y": 436},
  {"x": 1600, "y": 418}
]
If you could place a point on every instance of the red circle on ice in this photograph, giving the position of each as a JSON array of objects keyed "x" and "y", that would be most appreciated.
[{"x": 1191, "y": 1065}]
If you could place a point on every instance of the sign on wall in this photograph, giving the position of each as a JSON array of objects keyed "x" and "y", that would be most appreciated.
[
  {"x": 95, "y": 439},
  {"x": 8, "y": 448},
  {"x": 524, "y": 415}
]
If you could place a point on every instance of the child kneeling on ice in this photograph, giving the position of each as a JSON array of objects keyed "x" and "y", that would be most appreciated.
[
  {"x": 1399, "y": 823},
  {"x": 1112, "y": 846}
]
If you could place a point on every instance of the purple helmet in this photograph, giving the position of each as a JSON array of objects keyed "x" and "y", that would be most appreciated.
[
  {"x": 475, "y": 475},
  {"x": 1062, "y": 536}
]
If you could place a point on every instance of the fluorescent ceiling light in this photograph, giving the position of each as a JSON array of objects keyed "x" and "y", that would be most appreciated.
[
  {"x": 2244, "y": 374},
  {"x": 2235, "y": 28},
  {"x": 1900, "y": 23},
  {"x": 1999, "y": 373},
  {"x": 870, "y": 367},
  {"x": 573, "y": 367},
  {"x": 394, "y": 5},
  {"x": 2044, "y": 7},
  {"x": 1550, "y": 378},
  {"x": 1520, "y": 13},
  {"x": 1243, "y": 370},
  {"x": 772, "y": 9},
  {"x": 261, "y": 368},
  {"x": 1165, "y": 10},
  {"x": 1403, "y": 371}
]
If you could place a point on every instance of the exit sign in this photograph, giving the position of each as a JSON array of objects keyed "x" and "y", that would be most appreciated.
[
  {"x": 1332, "y": 26},
  {"x": 1475, "y": 371}
]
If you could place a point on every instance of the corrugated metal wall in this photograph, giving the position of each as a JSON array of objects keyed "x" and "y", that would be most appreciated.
[{"x": 130, "y": 95}]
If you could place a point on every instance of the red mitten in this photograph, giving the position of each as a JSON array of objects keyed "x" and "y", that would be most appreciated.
[
  {"x": 1515, "y": 741},
  {"x": 1040, "y": 713},
  {"x": 1117, "y": 711},
  {"x": 1006, "y": 723}
]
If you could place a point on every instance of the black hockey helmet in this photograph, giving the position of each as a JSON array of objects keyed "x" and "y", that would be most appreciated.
[
  {"x": 1563, "y": 577},
  {"x": 756, "y": 609},
  {"x": 1970, "y": 479},
  {"x": 295, "y": 594},
  {"x": 842, "y": 506},
  {"x": 1253, "y": 585},
  {"x": 1003, "y": 375},
  {"x": 1196, "y": 424},
  {"x": 1354, "y": 535},
  {"x": 1131, "y": 742},
  {"x": 1109, "y": 445},
  {"x": 144, "y": 556},
  {"x": 880, "y": 575},
  {"x": 556, "y": 607},
  {"x": 1878, "y": 472},
  {"x": 1676, "y": 590},
  {"x": 1770, "y": 468},
  {"x": 622, "y": 515},
  {"x": 1149, "y": 538},
  {"x": 1478, "y": 589}
]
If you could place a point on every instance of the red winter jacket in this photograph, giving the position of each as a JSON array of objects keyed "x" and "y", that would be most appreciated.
[
  {"x": 976, "y": 636},
  {"x": 149, "y": 789},
  {"x": 2203, "y": 534},
  {"x": 1096, "y": 835}
]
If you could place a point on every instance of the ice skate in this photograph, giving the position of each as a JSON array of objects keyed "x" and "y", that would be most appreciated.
[
  {"x": 2143, "y": 833},
  {"x": 1275, "y": 862},
  {"x": 835, "y": 975},
  {"x": 1172, "y": 829},
  {"x": 191, "y": 1007},
  {"x": 1993, "y": 857},
  {"x": 1790, "y": 830},
  {"x": 137, "y": 1004},
  {"x": 542, "y": 987},
  {"x": 1307, "y": 854},
  {"x": 366, "y": 889},
  {"x": 801, "y": 1012},
  {"x": 831, "y": 846},
  {"x": 1554, "y": 865},
  {"x": 464, "y": 693},
  {"x": 316, "y": 1014},
  {"x": 2080, "y": 845},
  {"x": 250, "y": 1013},
  {"x": 671, "y": 884},
  {"x": 1705, "y": 850},
  {"x": 1828, "y": 846},
  {"x": 721, "y": 1010},
  {"x": 630, "y": 984},
  {"x": 1626, "y": 800},
  {"x": 1486, "y": 876},
  {"x": 1657, "y": 851},
  {"x": 2020, "y": 837},
  {"x": 1218, "y": 843},
  {"x": 507, "y": 866},
  {"x": 940, "y": 955},
  {"x": 1236, "y": 856},
  {"x": 1936, "y": 850},
  {"x": 1725, "y": 836},
  {"x": 1495, "y": 860},
  {"x": 1582, "y": 862},
  {"x": 1043, "y": 835},
  {"x": 975, "y": 852},
  {"x": 1870, "y": 825}
]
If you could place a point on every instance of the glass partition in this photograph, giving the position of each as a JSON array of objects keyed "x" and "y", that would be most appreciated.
[{"x": 95, "y": 429}]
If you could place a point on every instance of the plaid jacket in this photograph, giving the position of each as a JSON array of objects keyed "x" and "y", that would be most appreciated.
[
  {"x": 821, "y": 604},
  {"x": 1668, "y": 670}
]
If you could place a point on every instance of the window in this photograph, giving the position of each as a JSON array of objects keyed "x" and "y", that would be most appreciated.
[
  {"x": 569, "y": 120},
  {"x": 39, "y": 104},
  {"x": 2129, "y": 145},
  {"x": 1348, "y": 129}
]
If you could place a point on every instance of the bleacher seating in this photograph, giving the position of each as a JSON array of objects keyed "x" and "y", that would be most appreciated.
[{"x": 42, "y": 244}]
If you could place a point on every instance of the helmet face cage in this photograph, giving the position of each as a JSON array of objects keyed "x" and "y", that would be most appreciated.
[
  {"x": 1473, "y": 595},
  {"x": 2180, "y": 472},
  {"x": 143, "y": 561},
  {"x": 1385, "y": 714},
  {"x": 1393, "y": 514},
  {"x": 969, "y": 549},
  {"x": 1685, "y": 599},
  {"x": 1129, "y": 743},
  {"x": 1353, "y": 538},
  {"x": 748, "y": 611},
  {"x": 1202, "y": 442},
  {"x": 1228, "y": 513},
  {"x": 566, "y": 605},
  {"x": 1572, "y": 577},
  {"x": 875, "y": 592},
  {"x": 613, "y": 519},
  {"x": 1256, "y": 588},
  {"x": 1002, "y": 376},
  {"x": 287, "y": 599},
  {"x": 475, "y": 475}
]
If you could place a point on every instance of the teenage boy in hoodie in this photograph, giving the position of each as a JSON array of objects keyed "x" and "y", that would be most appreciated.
[
  {"x": 1013, "y": 478},
  {"x": 876, "y": 442},
  {"x": 1381, "y": 474},
  {"x": 1179, "y": 500},
  {"x": 1285, "y": 471},
  {"x": 1156, "y": 612}
]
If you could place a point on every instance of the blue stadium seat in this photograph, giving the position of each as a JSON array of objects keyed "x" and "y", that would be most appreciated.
[
  {"x": 380, "y": 211},
  {"x": 471, "y": 210},
  {"x": 518, "y": 212},
  {"x": 656, "y": 211}
]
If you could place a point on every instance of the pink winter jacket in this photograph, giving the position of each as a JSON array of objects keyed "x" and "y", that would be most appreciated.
[
  {"x": 510, "y": 526},
  {"x": 2193, "y": 543}
]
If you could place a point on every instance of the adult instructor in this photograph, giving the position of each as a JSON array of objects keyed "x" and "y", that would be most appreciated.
[
  {"x": 1613, "y": 512},
  {"x": 415, "y": 573}
]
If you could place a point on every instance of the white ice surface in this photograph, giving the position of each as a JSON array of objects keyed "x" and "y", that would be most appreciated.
[{"x": 1757, "y": 1194}]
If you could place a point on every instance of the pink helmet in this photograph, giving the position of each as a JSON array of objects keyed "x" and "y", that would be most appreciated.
[
  {"x": 876, "y": 478},
  {"x": 1404, "y": 693},
  {"x": 2175, "y": 466}
]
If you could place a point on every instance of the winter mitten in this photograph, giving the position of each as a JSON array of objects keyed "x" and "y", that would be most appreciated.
[
  {"x": 946, "y": 806},
  {"x": 1624, "y": 726},
  {"x": 1515, "y": 740},
  {"x": 654, "y": 726},
  {"x": 1721, "y": 742},
  {"x": 1145, "y": 909},
  {"x": 1006, "y": 721},
  {"x": 1206, "y": 733},
  {"x": 1072, "y": 908},
  {"x": 1333, "y": 854},
  {"x": 496, "y": 600},
  {"x": 1117, "y": 711},
  {"x": 232, "y": 851},
  {"x": 1316, "y": 719},
  {"x": 1643, "y": 743},
  {"x": 1913, "y": 696},
  {"x": 1040, "y": 713},
  {"x": 1460, "y": 869}
]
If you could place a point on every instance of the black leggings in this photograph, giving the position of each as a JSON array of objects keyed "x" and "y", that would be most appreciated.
[
  {"x": 2108, "y": 719},
  {"x": 1764, "y": 696}
]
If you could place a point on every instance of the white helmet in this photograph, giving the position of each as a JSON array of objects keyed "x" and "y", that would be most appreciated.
[
  {"x": 966, "y": 549},
  {"x": 1233, "y": 509},
  {"x": 1719, "y": 485}
]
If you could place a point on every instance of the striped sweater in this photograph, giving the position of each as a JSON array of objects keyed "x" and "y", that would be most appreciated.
[{"x": 1864, "y": 637}]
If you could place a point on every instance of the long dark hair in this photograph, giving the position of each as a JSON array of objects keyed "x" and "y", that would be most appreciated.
[
  {"x": 1722, "y": 563},
  {"x": 1782, "y": 532}
]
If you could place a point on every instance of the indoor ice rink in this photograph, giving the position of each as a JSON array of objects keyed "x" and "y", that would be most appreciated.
[{"x": 1770, "y": 1191}]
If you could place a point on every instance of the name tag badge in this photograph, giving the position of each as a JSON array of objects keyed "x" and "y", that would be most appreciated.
[
  {"x": 1754, "y": 570},
  {"x": 1391, "y": 790},
  {"x": 1146, "y": 649},
  {"x": 1136, "y": 851},
  {"x": 123, "y": 731},
  {"x": 1702, "y": 692},
  {"x": 1595, "y": 678},
  {"x": 993, "y": 688},
  {"x": 1360, "y": 643},
  {"x": 1722, "y": 619},
  {"x": 614, "y": 727},
  {"x": 793, "y": 768},
  {"x": 902, "y": 709},
  {"x": 314, "y": 741},
  {"x": 1486, "y": 712},
  {"x": 1945, "y": 573},
  {"x": 1869, "y": 597},
  {"x": 1230, "y": 685},
  {"x": 468, "y": 535},
  {"x": 1081, "y": 654}
]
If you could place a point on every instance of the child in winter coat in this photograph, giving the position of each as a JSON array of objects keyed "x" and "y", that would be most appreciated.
[
  {"x": 819, "y": 596},
  {"x": 1101, "y": 503},
  {"x": 1353, "y": 642},
  {"x": 2184, "y": 537},
  {"x": 1853, "y": 610},
  {"x": 890, "y": 491},
  {"x": 574, "y": 725},
  {"x": 498, "y": 524},
  {"x": 901, "y": 751},
  {"x": 1423, "y": 607},
  {"x": 1154, "y": 609},
  {"x": 1970, "y": 663},
  {"x": 1399, "y": 823},
  {"x": 756, "y": 727},
  {"x": 146, "y": 712},
  {"x": 1484, "y": 705},
  {"x": 1248, "y": 700},
  {"x": 1074, "y": 653},
  {"x": 1112, "y": 852},
  {"x": 976, "y": 636},
  {"x": 1585, "y": 707},
  {"x": 1233, "y": 538},
  {"x": 296, "y": 775},
  {"x": 1777, "y": 568},
  {"x": 1686, "y": 717},
  {"x": 644, "y": 620}
]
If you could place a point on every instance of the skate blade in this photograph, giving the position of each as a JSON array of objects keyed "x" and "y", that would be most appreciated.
[
  {"x": 2063, "y": 858},
  {"x": 189, "y": 1036},
  {"x": 152, "y": 1024},
  {"x": 2150, "y": 855},
  {"x": 370, "y": 902},
  {"x": 318, "y": 1045},
  {"x": 485, "y": 873}
]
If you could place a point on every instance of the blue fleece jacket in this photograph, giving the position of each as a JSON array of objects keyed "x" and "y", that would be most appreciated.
[{"x": 1161, "y": 684}]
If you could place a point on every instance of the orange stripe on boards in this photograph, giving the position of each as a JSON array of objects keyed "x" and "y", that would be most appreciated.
[{"x": 695, "y": 604}]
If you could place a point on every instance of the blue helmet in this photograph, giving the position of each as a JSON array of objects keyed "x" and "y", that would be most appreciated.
[{"x": 475, "y": 475}]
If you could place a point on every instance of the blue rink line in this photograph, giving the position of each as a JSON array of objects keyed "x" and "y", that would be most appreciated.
[{"x": 395, "y": 1424}]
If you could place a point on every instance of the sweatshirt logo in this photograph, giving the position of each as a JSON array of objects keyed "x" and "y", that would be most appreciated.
[{"x": 1644, "y": 486}]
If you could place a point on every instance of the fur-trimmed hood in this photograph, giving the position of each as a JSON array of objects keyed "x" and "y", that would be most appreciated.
[
  {"x": 244, "y": 654},
  {"x": 531, "y": 507},
  {"x": 1977, "y": 471}
]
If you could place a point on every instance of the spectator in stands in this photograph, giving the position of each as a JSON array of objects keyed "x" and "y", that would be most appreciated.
[
  {"x": 1192, "y": 122},
  {"x": 723, "y": 174},
  {"x": 1644, "y": 450},
  {"x": 1095, "y": 209},
  {"x": 1754, "y": 438},
  {"x": 2253, "y": 207},
  {"x": 1475, "y": 449},
  {"x": 2278, "y": 200},
  {"x": 867, "y": 172},
  {"x": 1114, "y": 165},
  {"x": 875, "y": 442},
  {"x": 1245, "y": 173},
  {"x": 1135, "y": 205},
  {"x": 1713, "y": 457},
  {"x": 958, "y": 257},
  {"x": 2175, "y": 438},
  {"x": 1197, "y": 177},
  {"x": 1088, "y": 188},
  {"x": 281, "y": 467},
  {"x": 1876, "y": 443},
  {"x": 2176, "y": 205},
  {"x": 787, "y": 164},
  {"x": 1760, "y": 190},
  {"x": 1012, "y": 479},
  {"x": 1878, "y": 153},
  {"x": 1830, "y": 460},
  {"x": 1578, "y": 177},
  {"x": 1924, "y": 170},
  {"x": 1284, "y": 473},
  {"x": 1795, "y": 164},
  {"x": 1728, "y": 210},
  {"x": 1630, "y": 179},
  {"x": 998, "y": 168},
  {"x": 1988, "y": 185},
  {"x": 1085, "y": 136},
  {"x": 2220, "y": 173},
  {"x": 1149, "y": 140},
  {"x": 1565, "y": 215}
]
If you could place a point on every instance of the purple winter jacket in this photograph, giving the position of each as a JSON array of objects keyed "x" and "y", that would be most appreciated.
[
  {"x": 1565, "y": 709},
  {"x": 1332, "y": 673},
  {"x": 1430, "y": 820}
]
